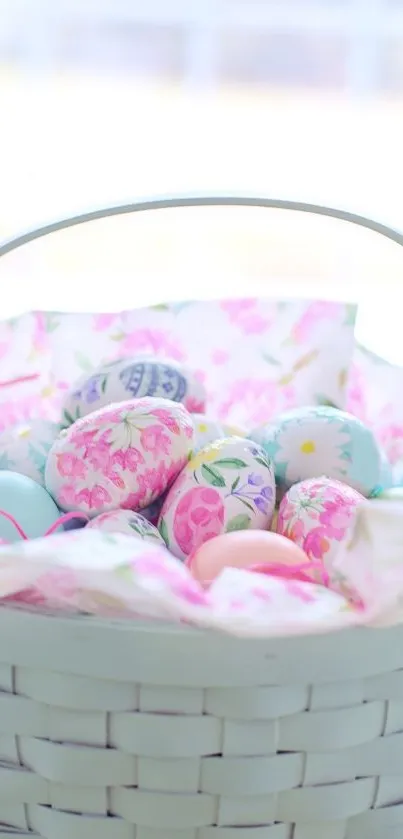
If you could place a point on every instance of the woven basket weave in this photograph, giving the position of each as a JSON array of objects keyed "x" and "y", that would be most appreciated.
[{"x": 115, "y": 730}]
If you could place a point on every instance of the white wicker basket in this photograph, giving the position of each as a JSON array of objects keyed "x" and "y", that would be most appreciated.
[{"x": 115, "y": 730}]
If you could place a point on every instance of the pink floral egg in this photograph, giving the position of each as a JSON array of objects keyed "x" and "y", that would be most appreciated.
[
  {"x": 126, "y": 521},
  {"x": 227, "y": 486},
  {"x": 123, "y": 456},
  {"x": 317, "y": 515},
  {"x": 133, "y": 378}
]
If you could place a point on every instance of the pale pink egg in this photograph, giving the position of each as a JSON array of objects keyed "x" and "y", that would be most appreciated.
[{"x": 258, "y": 550}]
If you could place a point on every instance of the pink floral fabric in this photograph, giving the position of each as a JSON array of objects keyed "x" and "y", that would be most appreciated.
[
  {"x": 255, "y": 357},
  {"x": 374, "y": 395},
  {"x": 114, "y": 575}
]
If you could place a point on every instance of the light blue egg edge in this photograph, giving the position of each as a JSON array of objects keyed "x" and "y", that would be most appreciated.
[
  {"x": 362, "y": 470},
  {"x": 36, "y": 518}
]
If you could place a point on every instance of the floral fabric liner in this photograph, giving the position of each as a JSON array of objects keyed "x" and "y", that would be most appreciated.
[
  {"x": 256, "y": 357},
  {"x": 116, "y": 576}
]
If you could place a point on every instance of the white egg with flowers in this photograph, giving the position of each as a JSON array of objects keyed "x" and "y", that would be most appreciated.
[
  {"x": 208, "y": 430},
  {"x": 228, "y": 485},
  {"x": 122, "y": 456},
  {"x": 128, "y": 522},
  {"x": 24, "y": 447}
]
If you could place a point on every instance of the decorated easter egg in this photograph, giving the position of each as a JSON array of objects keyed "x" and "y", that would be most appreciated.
[
  {"x": 126, "y": 521},
  {"x": 133, "y": 378},
  {"x": 25, "y": 447},
  {"x": 248, "y": 549},
  {"x": 310, "y": 442},
  {"x": 122, "y": 456},
  {"x": 317, "y": 515},
  {"x": 208, "y": 430},
  {"x": 28, "y": 504},
  {"x": 227, "y": 486}
]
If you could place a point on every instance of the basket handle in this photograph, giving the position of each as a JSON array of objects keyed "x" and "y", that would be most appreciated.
[{"x": 199, "y": 201}]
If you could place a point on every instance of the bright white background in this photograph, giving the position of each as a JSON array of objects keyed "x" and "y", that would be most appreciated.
[{"x": 109, "y": 100}]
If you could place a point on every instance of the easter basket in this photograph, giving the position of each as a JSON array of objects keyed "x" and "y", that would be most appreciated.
[{"x": 111, "y": 729}]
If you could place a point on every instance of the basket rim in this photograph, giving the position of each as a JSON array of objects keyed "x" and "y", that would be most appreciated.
[
  {"x": 165, "y": 654},
  {"x": 200, "y": 200}
]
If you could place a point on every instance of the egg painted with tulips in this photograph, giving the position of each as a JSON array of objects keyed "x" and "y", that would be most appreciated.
[{"x": 122, "y": 456}]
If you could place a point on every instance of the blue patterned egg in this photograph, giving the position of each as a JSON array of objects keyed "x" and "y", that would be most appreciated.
[
  {"x": 24, "y": 448},
  {"x": 321, "y": 441},
  {"x": 133, "y": 378}
]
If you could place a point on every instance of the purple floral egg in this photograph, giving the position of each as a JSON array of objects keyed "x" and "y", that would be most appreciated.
[{"x": 228, "y": 485}]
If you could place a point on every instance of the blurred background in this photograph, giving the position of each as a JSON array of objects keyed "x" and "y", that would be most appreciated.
[{"x": 104, "y": 101}]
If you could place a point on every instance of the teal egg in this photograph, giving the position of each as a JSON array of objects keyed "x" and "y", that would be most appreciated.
[
  {"x": 318, "y": 441},
  {"x": 28, "y": 503}
]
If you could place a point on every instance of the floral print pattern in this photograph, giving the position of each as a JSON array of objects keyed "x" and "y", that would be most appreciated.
[
  {"x": 113, "y": 575},
  {"x": 24, "y": 448},
  {"x": 227, "y": 486},
  {"x": 372, "y": 392},
  {"x": 125, "y": 456},
  {"x": 254, "y": 357},
  {"x": 314, "y": 441},
  {"x": 208, "y": 430},
  {"x": 125, "y": 521},
  {"x": 317, "y": 515}
]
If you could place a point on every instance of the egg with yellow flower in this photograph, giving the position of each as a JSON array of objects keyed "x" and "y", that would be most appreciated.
[
  {"x": 207, "y": 430},
  {"x": 318, "y": 441},
  {"x": 24, "y": 448}
]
